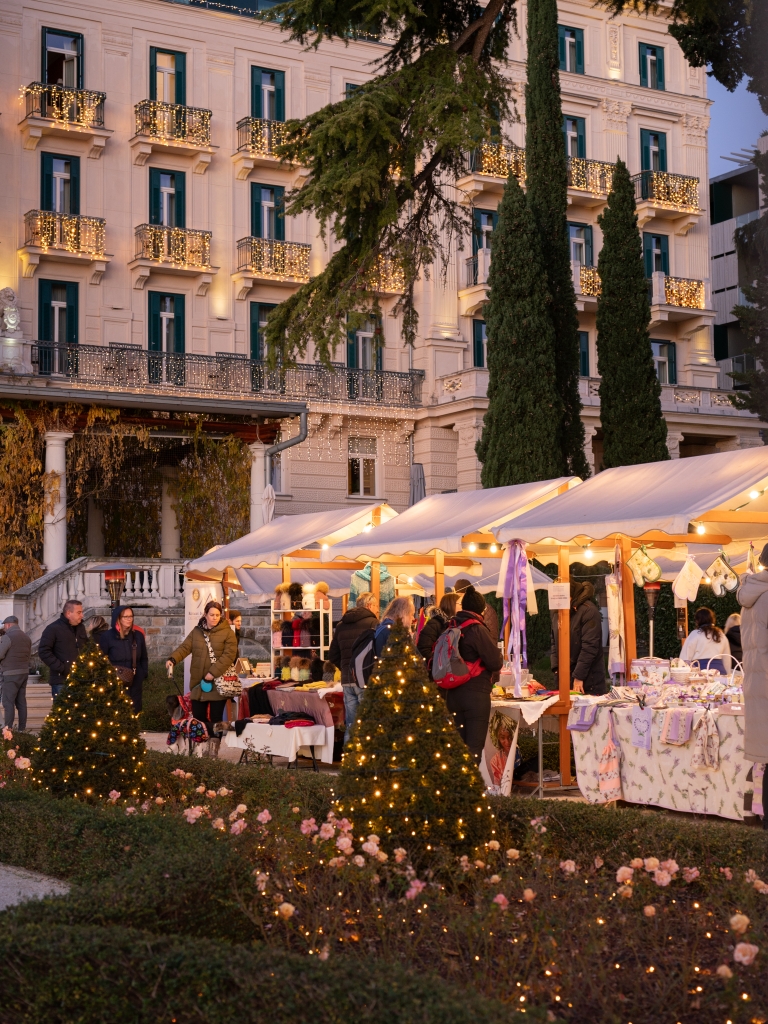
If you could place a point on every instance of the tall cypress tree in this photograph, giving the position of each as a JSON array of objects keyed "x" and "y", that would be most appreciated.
[
  {"x": 634, "y": 429},
  {"x": 520, "y": 430},
  {"x": 547, "y": 183}
]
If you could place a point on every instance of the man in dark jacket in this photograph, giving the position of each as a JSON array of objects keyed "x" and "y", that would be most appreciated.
[
  {"x": 354, "y": 622},
  {"x": 15, "y": 650},
  {"x": 470, "y": 703},
  {"x": 61, "y": 642},
  {"x": 587, "y": 658}
]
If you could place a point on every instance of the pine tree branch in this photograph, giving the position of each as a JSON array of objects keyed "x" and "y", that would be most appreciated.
[{"x": 481, "y": 28}]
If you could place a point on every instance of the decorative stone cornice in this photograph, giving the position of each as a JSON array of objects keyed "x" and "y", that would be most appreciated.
[{"x": 615, "y": 114}]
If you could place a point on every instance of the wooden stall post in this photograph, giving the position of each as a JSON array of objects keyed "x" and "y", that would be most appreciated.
[
  {"x": 376, "y": 582},
  {"x": 628, "y": 605},
  {"x": 564, "y": 675},
  {"x": 285, "y": 565},
  {"x": 439, "y": 576}
]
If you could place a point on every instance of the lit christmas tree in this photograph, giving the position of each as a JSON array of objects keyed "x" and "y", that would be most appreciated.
[
  {"x": 406, "y": 774},
  {"x": 90, "y": 743}
]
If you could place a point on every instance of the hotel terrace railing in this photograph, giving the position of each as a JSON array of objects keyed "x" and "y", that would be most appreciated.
[
  {"x": 589, "y": 280},
  {"x": 591, "y": 176},
  {"x": 82, "y": 107},
  {"x": 497, "y": 160},
  {"x": 269, "y": 257},
  {"x": 682, "y": 291},
  {"x": 130, "y": 367},
  {"x": 387, "y": 277},
  {"x": 673, "y": 191},
  {"x": 258, "y": 137},
  {"x": 69, "y": 233},
  {"x": 183, "y": 247},
  {"x": 173, "y": 122}
]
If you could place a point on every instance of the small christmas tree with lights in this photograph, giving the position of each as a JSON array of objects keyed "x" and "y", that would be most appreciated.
[
  {"x": 90, "y": 743},
  {"x": 406, "y": 774}
]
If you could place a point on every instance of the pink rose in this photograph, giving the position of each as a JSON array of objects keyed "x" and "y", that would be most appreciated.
[
  {"x": 416, "y": 887},
  {"x": 401, "y": 855},
  {"x": 238, "y": 826},
  {"x": 344, "y": 843},
  {"x": 750, "y": 876},
  {"x": 626, "y": 891},
  {"x": 727, "y": 872},
  {"x": 326, "y": 831},
  {"x": 130, "y": 810},
  {"x": 264, "y": 817},
  {"x": 383, "y": 857},
  {"x": 224, "y": 791},
  {"x": 529, "y": 895},
  {"x": 568, "y": 867},
  {"x": 344, "y": 825},
  {"x": 7, "y": 733},
  {"x": 114, "y": 796},
  {"x": 218, "y": 823},
  {"x": 625, "y": 874},
  {"x": 22, "y": 762},
  {"x": 358, "y": 861},
  {"x": 370, "y": 848},
  {"x": 649, "y": 910},
  {"x": 691, "y": 874},
  {"x": 308, "y": 826},
  {"x": 159, "y": 800},
  {"x": 662, "y": 877},
  {"x": 179, "y": 772},
  {"x": 651, "y": 863},
  {"x": 513, "y": 854},
  {"x": 724, "y": 971},
  {"x": 739, "y": 923},
  {"x": 598, "y": 863},
  {"x": 211, "y": 794},
  {"x": 636, "y": 863},
  {"x": 286, "y": 910},
  {"x": 670, "y": 866},
  {"x": 745, "y": 953},
  {"x": 261, "y": 880},
  {"x": 501, "y": 901},
  {"x": 492, "y": 844},
  {"x": 11, "y": 754}
]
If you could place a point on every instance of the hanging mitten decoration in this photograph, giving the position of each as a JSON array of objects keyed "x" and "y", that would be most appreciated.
[
  {"x": 643, "y": 567},
  {"x": 722, "y": 576},
  {"x": 686, "y": 585}
]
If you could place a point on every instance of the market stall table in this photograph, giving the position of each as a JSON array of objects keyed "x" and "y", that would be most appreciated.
[
  {"x": 278, "y": 740},
  {"x": 663, "y": 776},
  {"x": 496, "y": 767}
]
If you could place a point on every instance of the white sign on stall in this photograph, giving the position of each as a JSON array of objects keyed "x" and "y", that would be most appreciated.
[
  {"x": 680, "y": 602},
  {"x": 196, "y": 597},
  {"x": 559, "y": 596}
]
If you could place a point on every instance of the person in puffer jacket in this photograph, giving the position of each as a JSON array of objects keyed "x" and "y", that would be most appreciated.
[{"x": 470, "y": 703}]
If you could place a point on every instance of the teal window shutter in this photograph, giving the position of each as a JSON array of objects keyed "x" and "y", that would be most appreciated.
[
  {"x": 72, "y": 311},
  {"x": 74, "y": 184},
  {"x": 565, "y": 132},
  {"x": 662, "y": 151},
  {"x": 256, "y": 348},
  {"x": 352, "y": 349},
  {"x": 477, "y": 233},
  {"x": 154, "y": 195},
  {"x": 645, "y": 150},
  {"x": 660, "y": 68},
  {"x": 582, "y": 136},
  {"x": 279, "y": 212},
  {"x": 583, "y": 353},
  {"x": 478, "y": 343},
  {"x": 153, "y": 72},
  {"x": 256, "y": 92},
  {"x": 380, "y": 357},
  {"x": 579, "y": 51},
  {"x": 153, "y": 334},
  {"x": 561, "y": 46},
  {"x": 179, "y": 184},
  {"x": 181, "y": 78},
  {"x": 255, "y": 210},
  {"x": 664, "y": 253},
  {"x": 178, "y": 324},
  {"x": 643, "y": 66},
  {"x": 672, "y": 361},
  {"x": 46, "y": 181},
  {"x": 588, "y": 247},
  {"x": 44, "y": 327},
  {"x": 648, "y": 253},
  {"x": 279, "y": 95}
]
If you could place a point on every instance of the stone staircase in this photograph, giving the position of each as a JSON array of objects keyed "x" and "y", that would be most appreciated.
[{"x": 39, "y": 701}]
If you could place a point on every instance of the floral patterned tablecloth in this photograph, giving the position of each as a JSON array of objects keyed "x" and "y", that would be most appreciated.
[{"x": 663, "y": 776}]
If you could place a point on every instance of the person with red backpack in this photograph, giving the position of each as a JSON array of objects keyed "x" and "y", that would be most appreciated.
[{"x": 465, "y": 682}]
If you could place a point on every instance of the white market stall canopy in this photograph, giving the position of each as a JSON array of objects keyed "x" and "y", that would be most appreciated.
[
  {"x": 450, "y": 523},
  {"x": 708, "y": 499},
  {"x": 302, "y": 536}
]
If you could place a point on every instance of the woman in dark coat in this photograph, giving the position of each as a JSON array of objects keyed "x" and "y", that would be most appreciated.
[
  {"x": 126, "y": 649},
  {"x": 470, "y": 703},
  {"x": 435, "y": 624},
  {"x": 587, "y": 658}
]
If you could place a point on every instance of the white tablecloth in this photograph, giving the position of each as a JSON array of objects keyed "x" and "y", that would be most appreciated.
[
  {"x": 276, "y": 739},
  {"x": 663, "y": 776}
]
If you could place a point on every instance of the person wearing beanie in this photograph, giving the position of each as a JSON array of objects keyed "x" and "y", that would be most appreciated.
[
  {"x": 753, "y": 598},
  {"x": 470, "y": 703},
  {"x": 490, "y": 618},
  {"x": 587, "y": 658}
]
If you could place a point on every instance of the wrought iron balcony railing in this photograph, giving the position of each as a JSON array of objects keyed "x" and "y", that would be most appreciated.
[
  {"x": 682, "y": 291},
  {"x": 673, "y": 191},
  {"x": 592, "y": 176},
  {"x": 82, "y": 107},
  {"x": 496, "y": 160},
  {"x": 62, "y": 231},
  {"x": 183, "y": 247},
  {"x": 269, "y": 257},
  {"x": 258, "y": 137},
  {"x": 589, "y": 280},
  {"x": 173, "y": 122},
  {"x": 126, "y": 366},
  {"x": 387, "y": 277}
]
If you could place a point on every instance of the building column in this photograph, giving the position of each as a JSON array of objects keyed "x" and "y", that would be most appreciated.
[
  {"x": 55, "y": 520},
  {"x": 258, "y": 482},
  {"x": 673, "y": 444},
  {"x": 170, "y": 534},
  {"x": 95, "y": 543}
]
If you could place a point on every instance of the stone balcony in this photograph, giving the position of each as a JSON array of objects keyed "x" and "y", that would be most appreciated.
[
  {"x": 586, "y": 285},
  {"x": 670, "y": 197},
  {"x": 172, "y": 128},
  {"x": 182, "y": 251},
  {"x": 59, "y": 112},
  {"x": 64, "y": 238},
  {"x": 270, "y": 259},
  {"x": 458, "y": 387},
  {"x": 679, "y": 398},
  {"x": 473, "y": 289},
  {"x": 678, "y": 298}
]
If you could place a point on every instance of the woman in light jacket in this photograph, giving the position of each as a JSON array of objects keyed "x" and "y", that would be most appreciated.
[
  {"x": 707, "y": 644},
  {"x": 205, "y": 669}
]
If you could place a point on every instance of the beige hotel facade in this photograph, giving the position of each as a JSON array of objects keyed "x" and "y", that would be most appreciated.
[{"x": 142, "y": 235}]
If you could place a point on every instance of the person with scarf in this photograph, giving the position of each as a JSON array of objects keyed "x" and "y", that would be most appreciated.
[{"x": 213, "y": 646}]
